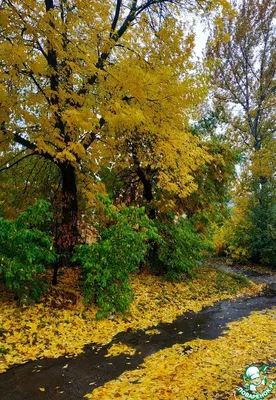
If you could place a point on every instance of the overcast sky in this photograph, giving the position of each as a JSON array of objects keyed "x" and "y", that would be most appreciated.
[{"x": 201, "y": 37}]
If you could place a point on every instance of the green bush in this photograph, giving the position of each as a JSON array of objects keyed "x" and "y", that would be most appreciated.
[
  {"x": 25, "y": 250},
  {"x": 239, "y": 246},
  {"x": 108, "y": 264},
  {"x": 262, "y": 217},
  {"x": 180, "y": 250},
  {"x": 250, "y": 234}
]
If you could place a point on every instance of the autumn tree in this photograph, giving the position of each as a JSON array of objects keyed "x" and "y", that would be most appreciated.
[
  {"x": 78, "y": 77},
  {"x": 211, "y": 170},
  {"x": 244, "y": 74},
  {"x": 244, "y": 47}
]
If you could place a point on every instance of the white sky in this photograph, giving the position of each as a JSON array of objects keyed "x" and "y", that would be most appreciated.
[{"x": 201, "y": 37}]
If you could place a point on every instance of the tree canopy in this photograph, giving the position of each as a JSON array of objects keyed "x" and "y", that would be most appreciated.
[
  {"x": 85, "y": 86},
  {"x": 243, "y": 47}
]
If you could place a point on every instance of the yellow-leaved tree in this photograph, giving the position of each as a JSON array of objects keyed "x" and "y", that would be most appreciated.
[
  {"x": 86, "y": 83},
  {"x": 244, "y": 74}
]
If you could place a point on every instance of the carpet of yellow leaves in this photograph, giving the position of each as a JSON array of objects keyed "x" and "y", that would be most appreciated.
[
  {"x": 60, "y": 324},
  {"x": 210, "y": 369}
]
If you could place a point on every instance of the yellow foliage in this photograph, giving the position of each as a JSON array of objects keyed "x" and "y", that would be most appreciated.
[
  {"x": 263, "y": 163},
  {"x": 209, "y": 369},
  {"x": 221, "y": 239},
  {"x": 233, "y": 237},
  {"x": 60, "y": 324},
  {"x": 120, "y": 348},
  {"x": 98, "y": 90},
  {"x": 225, "y": 38}
]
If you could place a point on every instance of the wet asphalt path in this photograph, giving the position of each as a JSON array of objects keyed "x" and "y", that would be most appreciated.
[{"x": 71, "y": 378}]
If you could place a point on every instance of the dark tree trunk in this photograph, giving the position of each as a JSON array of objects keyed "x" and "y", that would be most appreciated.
[
  {"x": 148, "y": 195},
  {"x": 55, "y": 273},
  {"x": 68, "y": 234},
  {"x": 70, "y": 201}
]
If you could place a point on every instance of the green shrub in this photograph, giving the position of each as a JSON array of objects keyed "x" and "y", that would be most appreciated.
[
  {"x": 262, "y": 217},
  {"x": 25, "y": 250},
  {"x": 250, "y": 234},
  {"x": 239, "y": 242},
  {"x": 180, "y": 250},
  {"x": 108, "y": 263}
]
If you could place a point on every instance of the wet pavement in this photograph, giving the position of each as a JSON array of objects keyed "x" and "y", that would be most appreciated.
[
  {"x": 257, "y": 277},
  {"x": 72, "y": 378}
]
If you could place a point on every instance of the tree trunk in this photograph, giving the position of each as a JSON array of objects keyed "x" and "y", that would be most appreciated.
[
  {"x": 148, "y": 195},
  {"x": 261, "y": 180},
  {"x": 68, "y": 234}
]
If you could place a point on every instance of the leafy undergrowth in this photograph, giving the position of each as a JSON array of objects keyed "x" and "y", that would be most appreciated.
[
  {"x": 200, "y": 369},
  {"x": 60, "y": 324}
]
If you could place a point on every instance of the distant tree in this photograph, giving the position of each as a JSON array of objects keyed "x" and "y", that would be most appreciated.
[
  {"x": 244, "y": 73},
  {"x": 243, "y": 48}
]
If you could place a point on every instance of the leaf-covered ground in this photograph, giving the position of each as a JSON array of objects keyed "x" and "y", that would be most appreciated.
[
  {"x": 200, "y": 369},
  {"x": 60, "y": 324},
  {"x": 248, "y": 267}
]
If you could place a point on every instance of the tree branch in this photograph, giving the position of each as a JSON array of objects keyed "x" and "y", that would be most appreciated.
[
  {"x": 12, "y": 158},
  {"x": 32, "y": 146},
  {"x": 89, "y": 139},
  {"x": 16, "y": 162},
  {"x": 42, "y": 50},
  {"x": 151, "y": 3},
  {"x": 31, "y": 75},
  {"x": 115, "y": 37},
  {"x": 26, "y": 143},
  {"x": 116, "y": 17}
]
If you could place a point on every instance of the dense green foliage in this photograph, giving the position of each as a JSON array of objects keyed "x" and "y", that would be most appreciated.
[
  {"x": 262, "y": 217},
  {"x": 250, "y": 234},
  {"x": 108, "y": 264},
  {"x": 25, "y": 250},
  {"x": 238, "y": 241},
  {"x": 180, "y": 250},
  {"x": 125, "y": 237}
]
